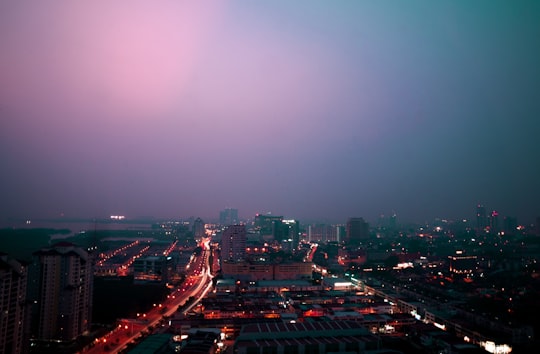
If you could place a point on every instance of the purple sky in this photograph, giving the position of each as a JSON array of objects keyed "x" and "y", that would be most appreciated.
[{"x": 306, "y": 109}]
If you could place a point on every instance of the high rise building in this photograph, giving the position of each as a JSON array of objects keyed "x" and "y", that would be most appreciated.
[
  {"x": 269, "y": 225},
  {"x": 341, "y": 233},
  {"x": 357, "y": 230},
  {"x": 61, "y": 285},
  {"x": 12, "y": 305},
  {"x": 198, "y": 228},
  {"x": 323, "y": 233},
  {"x": 388, "y": 222},
  {"x": 290, "y": 230},
  {"x": 481, "y": 218},
  {"x": 233, "y": 243},
  {"x": 510, "y": 225},
  {"x": 228, "y": 216},
  {"x": 392, "y": 222},
  {"x": 494, "y": 222}
]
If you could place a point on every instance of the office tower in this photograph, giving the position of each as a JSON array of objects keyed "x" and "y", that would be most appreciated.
[
  {"x": 481, "y": 218},
  {"x": 233, "y": 243},
  {"x": 12, "y": 305},
  {"x": 388, "y": 222},
  {"x": 291, "y": 231},
  {"x": 357, "y": 230},
  {"x": 392, "y": 222},
  {"x": 341, "y": 233},
  {"x": 323, "y": 233},
  {"x": 198, "y": 228},
  {"x": 269, "y": 225},
  {"x": 61, "y": 284},
  {"x": 494, "y": 222},
  {"x": 510, "y": 225},
  {"x": 316, "y": 233},
  {"x": 228, "y": 216}
]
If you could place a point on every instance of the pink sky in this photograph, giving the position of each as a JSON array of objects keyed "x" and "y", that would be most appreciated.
[{"x": 307, "y": 109}]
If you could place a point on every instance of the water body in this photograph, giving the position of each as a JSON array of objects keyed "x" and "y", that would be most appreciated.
[{"x": 78, "y": 226}]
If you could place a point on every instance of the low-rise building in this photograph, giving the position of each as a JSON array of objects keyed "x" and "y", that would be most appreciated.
[
  {"x": 152, "y": 269},
  {"x": 253, "y": 271},
  {"x": 307, "y": 337}
]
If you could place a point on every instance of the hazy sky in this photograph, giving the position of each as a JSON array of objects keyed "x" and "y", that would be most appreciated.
[{"x": 308, "y": 109}]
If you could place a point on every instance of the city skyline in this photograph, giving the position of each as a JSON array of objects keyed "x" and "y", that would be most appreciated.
[
  {"x": 312, "y": 110},
  {"x": 491, "y": 218}
]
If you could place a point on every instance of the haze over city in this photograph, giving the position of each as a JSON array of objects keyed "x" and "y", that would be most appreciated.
[{"x": 309, "y": 109}]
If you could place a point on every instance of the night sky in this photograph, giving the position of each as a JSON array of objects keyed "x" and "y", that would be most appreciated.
[{"x": 308, "y": 109}]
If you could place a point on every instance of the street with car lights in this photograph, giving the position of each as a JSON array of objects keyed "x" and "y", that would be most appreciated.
[{"x": 181, "y": 300}]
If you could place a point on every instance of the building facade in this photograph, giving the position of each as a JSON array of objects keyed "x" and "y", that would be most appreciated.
[
  {"x": 198, "y": 229},
  {"x": 306, "y": 337},
  {"x": 233, "y": 243},
  {"x": 228, "y": 217},
  {"x": 267, "y": 271},
  {"x": 61, "y": 285},
  {"x": 357, "y": 230},
  {"x": 323, "y": 233},
  {"x": 290, "y": 231},
  {"x": 152, "y": 269},
  {"x": 268, "y": 225},
  {"x": 481, "y": 218},
  {"x": 12, "y": 305}
]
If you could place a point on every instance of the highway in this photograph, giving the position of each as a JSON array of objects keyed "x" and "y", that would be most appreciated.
[{"x": 197, "y": 283}]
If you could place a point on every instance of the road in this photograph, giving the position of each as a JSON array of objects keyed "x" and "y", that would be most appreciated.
[{"x": 197, "y": 283}]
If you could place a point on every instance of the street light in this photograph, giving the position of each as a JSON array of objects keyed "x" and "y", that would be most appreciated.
[{"x": 126, "y": 327}]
